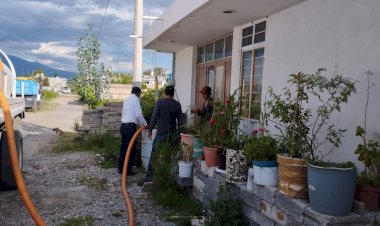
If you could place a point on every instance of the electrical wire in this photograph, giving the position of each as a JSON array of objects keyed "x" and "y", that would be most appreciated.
[{"x": 104, "y": 16}]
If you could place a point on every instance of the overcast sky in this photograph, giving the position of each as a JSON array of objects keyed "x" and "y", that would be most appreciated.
[{"x": 47, "y": 31}]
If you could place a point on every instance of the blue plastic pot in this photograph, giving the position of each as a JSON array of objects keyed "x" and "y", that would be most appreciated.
[
  {"x": 331, "y": 190},
  {"x": 265, "y": 163},
  {"x": 198, "y": 147}
]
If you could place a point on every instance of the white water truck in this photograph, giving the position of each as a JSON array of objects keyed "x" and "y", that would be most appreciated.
[{"x": 17, "y": 110}]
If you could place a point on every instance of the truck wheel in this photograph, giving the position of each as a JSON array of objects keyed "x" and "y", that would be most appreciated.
[
  {"x": 34, "y": 108},
  {"x": 7, "y": 180}
]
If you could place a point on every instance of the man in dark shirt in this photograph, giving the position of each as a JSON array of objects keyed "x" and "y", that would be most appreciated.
[{"x": 166, "y": 116}]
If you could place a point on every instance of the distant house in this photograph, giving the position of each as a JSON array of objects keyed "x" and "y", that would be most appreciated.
[
  {"x": 57, "y": 84},
  {"x": 255, "y": 44}
]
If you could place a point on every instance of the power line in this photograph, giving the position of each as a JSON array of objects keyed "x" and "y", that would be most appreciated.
[{"x": 104, "y": 16}]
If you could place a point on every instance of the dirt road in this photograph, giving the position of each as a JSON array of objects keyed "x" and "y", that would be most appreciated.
[
  {"x": 70, "y": 186},
  {"x": 37, "y": 127}
]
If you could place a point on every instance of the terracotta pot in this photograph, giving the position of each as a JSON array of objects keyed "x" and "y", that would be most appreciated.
[
  {"x": 370, "y": 196},
  {"x": 187, "y": 139},
  {"x": 292, "y": 176},
  {"x": 211, "y": 156}
]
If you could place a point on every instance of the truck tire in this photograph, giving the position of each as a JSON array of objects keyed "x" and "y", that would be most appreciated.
[
  {"x": 7, "y": 180},
  {"x": 34, "y": 108}
]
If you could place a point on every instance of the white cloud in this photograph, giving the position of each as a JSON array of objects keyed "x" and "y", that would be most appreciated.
[{"x": 56, "y": 49}]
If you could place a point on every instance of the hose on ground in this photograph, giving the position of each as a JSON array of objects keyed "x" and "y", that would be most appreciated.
[
  {"x": 128, "y": 202},
  {"x": 28, "y": 203}
]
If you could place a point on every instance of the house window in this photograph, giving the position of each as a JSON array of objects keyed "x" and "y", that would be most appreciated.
[
  {"x": 209, "y": 52},
  {"x": 228, "y": 46},
  {"x": 219, "y": 49},
  {"x": 247, "y": 36},
  {"x": 252, "y": 70},
  {"x": 260, "y": 32},
  {"x": 201, "y": 54},
  {"x": 215, "y": 50}
]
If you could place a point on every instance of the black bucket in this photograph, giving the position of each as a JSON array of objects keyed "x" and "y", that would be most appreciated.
[{"x": 331, "y": 190}]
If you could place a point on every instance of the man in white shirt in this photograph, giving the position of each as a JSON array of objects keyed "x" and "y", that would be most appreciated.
[{"x": 131, "y": 117}]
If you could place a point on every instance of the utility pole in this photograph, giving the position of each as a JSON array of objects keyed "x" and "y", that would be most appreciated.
[{"x": 137, "y": 47}]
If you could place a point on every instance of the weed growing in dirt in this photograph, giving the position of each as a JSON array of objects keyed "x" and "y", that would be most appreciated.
[
  {"x": 79, "y": 221},
  {"x": 48, "y": 95},
  {"x": 96, "y": 183},
  {"x": 117, "y": 214},
  {"x": 105, "y": 145},
  {"x": 169, "y": 194}
]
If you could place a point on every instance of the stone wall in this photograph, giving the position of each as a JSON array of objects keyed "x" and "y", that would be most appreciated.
[
  {"x": 264, "y": 205},
  {"x": 102, "y": 119}
]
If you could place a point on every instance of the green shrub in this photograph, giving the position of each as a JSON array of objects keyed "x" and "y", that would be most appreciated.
[
  {"x": 79, "y": 221},
  {"x": 48, "y": 95},
  {"x": 103, "y": 144},
  {"x": 226, "y": 210},
  {"x": 169, "y": 194}
]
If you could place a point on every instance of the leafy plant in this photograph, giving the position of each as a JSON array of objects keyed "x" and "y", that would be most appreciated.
[
  {"x": 147, "y": 101},
  {"x": 261, "y": 146},
  {"x": 299, "y": 124},
  {"x": 226, "y": 210},
  {"x": 93, "y": 80},
  {"x": 48, "y": 95},
  {"x": 369, "y": 150},
  {"x": 221, "y": 131}
]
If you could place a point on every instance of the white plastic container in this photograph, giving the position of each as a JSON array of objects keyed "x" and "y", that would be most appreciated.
[
  {"x": 185, "y": 169},
  {"x": 265, "y": 175},
  {"x": 250, "y": 179},
  {"x": 146, "y": 147}
]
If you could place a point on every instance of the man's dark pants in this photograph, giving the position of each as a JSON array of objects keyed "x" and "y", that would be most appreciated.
[
  {"x": 172, "y": 137},
  {"x": 127, "y": 130}
]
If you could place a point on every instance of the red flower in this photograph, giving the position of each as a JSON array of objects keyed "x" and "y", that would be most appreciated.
[
  {"x": 222, "y": 113},
  {"x": 228, "y": 101},
  {"x": 261, "y": 130},
  {"x": 254, "y": 132},
  {"x": 212, "y": 121}
]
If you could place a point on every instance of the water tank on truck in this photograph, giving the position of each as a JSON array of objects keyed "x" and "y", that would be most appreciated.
[{"x": 29, "y": 89}]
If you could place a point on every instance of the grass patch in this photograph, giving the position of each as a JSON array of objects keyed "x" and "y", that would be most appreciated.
[
  {"x": 96, "y": 183},
  {"x": 181, "y": 206},
  {"x": 79, "y": 221},
  {"x": 117, "y": 214},
  {"x": 45, "y": 106},
  {"x": 105, "y": 145},
  {"x": 48, "y": 95}
]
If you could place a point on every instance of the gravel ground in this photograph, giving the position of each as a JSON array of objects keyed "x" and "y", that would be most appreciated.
[{"x": 71, "y": 185}]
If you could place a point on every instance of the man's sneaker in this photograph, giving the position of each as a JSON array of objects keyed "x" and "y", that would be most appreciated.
[{"x": 143, "y": 181}]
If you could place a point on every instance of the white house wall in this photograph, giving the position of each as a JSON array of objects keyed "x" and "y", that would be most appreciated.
[
  {"x": 185, "y": 76},
  {"x": 339, "y": 35}
]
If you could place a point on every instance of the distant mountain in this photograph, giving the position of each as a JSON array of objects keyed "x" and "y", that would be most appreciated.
[{"x": 24, "y": 67}]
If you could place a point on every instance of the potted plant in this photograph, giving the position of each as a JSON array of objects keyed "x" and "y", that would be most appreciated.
[
  {"x": 368, "y": 151},
  {"x": 185, "y": 166},
  {"x": 261, "y": 149},
  {"x": 303, "y": 123}
]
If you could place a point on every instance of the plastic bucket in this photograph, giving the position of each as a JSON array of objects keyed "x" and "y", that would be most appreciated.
[
  {"x": 265, "y": 173},
  {"x": 185, "y": 169},
  {"x": 146, "y": 147},
  {"x": 331, "y": 190},
  {"x": 198, "y": 147},
  {"x": 236, "y": 166},
  {"x": 292, "y": 176}
]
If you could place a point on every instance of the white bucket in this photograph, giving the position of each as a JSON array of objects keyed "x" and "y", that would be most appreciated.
[
  {"x": 250, "y": 179},
  {"x": 265, "y": 175},
  {"x": 185, "y": 169},
  {"x": 146, "y": 147}
]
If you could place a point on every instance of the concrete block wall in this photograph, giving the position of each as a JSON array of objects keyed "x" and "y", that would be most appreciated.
[
  {"x": 265, "y": 205},
  {"x": 101, "y": 120}
]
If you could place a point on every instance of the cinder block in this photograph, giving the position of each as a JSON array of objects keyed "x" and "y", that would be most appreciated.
[
  {"x": 267, "y": 193},
  {"x": 199, "y": 184},
  {"x": 261, "y": 219},
  {"x": 250, "y": 199},
  {"x": 212, "y": 188},
  {"x": 184, "y": 181},
  {"x": 291, "y": 206},
  {"x": 351, "y": 219},
  {"x": 209, "y": 171}
]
